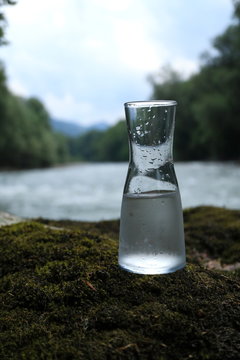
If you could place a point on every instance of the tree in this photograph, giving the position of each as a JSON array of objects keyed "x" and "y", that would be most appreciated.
[
  {"x": 207, "y": 125},
  {"x": 24, "y": 142},
  {"x": 3, "y": 22},
  {"x": 113, "y": 144},
  {"x": 173, "y": 87},
  {"x": 26, "y": 137},
  {"x": 38, "y": 108}
]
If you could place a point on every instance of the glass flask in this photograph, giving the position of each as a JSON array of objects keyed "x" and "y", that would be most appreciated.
[{"x": 151, "y": 226}]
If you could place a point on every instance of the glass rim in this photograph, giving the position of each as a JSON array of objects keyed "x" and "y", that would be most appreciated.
[{"x": 149, "y": 103}]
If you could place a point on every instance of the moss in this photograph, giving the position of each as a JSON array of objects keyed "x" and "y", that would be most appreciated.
[
  {"x": 63, "y": 295},
  {"x": 214, "y": 231}
]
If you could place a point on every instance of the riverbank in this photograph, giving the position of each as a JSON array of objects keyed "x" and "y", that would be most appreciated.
[{"x": 63, "y": 295}]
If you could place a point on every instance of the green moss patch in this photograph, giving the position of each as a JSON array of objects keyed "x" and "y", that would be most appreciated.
[
  {"x": 63, "y": 295},
  {"x": 214, "y": 232}
]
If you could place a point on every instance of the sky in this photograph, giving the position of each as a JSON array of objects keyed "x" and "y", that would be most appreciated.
[{"x": 85, "y": 58}]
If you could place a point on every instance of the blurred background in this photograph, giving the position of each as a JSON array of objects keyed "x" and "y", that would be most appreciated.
[{"x": 66, "y": 69}]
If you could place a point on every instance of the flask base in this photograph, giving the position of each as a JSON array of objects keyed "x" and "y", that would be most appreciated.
[{"x": 152, "y": 264}]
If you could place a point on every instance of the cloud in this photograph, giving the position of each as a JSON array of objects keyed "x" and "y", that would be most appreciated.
[
  {"x": 135, "y": 49},
  {"x": 67, "y": 107},
  {"x": 85, "y": 58},
  {"x": 85, "y": 113},
  {"x": 18, "y": 88},
  {"x": 185, "y": 67}
]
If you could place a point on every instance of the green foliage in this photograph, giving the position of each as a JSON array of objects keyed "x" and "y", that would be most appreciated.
[
  {"x": 207, "y": 125},
  {"x": 38, "y": 108},
  {"x": 3, "y": 22},
  {"x": 207, "y": 122},
  {"x": 113, "y": 145},
  {"x": 84, "y": 147},
  {"x": 95, "y": 145},
  {"x": 26, "y": 140}
]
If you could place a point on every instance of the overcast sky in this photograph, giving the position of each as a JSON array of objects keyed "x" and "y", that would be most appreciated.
[{"x": 85, "y": 58}]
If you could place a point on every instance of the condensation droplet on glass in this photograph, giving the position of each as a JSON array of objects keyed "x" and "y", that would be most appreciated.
[{"x": 148, "y": 178}]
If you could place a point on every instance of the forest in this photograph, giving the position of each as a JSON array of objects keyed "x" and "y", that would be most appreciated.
[{"x": 207, "y": 125}]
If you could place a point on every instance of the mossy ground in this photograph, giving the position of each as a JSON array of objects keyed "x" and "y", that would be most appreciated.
[{"x": 63, "y": 295}]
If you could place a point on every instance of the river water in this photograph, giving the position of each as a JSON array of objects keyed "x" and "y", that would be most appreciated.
[{"x": 93, "y": 191}]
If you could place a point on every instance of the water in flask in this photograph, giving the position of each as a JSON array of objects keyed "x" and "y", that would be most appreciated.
[{"x": 151, "y": 233}]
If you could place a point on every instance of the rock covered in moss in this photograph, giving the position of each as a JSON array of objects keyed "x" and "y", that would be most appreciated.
[
  {"x": 213, "y": 233},
  {"x": 63, "y": 295},
  {"x": 8, "y": 219}
]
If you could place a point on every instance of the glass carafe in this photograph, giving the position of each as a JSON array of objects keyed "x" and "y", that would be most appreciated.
[{"x": 151, "y": 226}]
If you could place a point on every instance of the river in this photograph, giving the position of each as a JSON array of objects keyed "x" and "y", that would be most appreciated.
[{"x": 93, "y": 191}]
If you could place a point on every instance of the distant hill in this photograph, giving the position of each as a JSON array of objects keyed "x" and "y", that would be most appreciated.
[{"x": 73, "y": 129}]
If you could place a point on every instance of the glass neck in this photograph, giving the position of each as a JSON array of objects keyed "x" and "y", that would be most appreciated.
[{"x": 150, "y": 129}]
